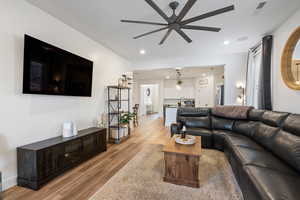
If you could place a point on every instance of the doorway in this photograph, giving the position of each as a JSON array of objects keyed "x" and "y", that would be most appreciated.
[{"x": 149, "y": 99}]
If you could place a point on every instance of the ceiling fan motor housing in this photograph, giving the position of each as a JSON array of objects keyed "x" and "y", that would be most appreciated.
[{"x": 174, "y": 5}]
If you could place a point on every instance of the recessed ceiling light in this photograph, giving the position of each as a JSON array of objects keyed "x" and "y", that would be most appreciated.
[
  {"x": 168, "y": 77},
  {"x": 204, "y": 75},
  {"x": 226, "y": 42},
  {"x": 142, "y": 51}
]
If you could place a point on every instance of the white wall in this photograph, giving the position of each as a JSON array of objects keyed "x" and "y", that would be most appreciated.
[
  {"x": 284, "y": 99},
  {"x": 205, "y": 94},
  {"x": 28, "y": 118},
  {"x": 187, "y": 89},
  {"x": 235, "y": 69}
]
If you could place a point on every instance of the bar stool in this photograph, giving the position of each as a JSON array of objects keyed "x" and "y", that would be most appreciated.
[{"x": 136, "y": 113}]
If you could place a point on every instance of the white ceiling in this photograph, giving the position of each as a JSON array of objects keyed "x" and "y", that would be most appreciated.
[
  {"x": 100, "y": 20},
  {"x": 186, "y": 72}
]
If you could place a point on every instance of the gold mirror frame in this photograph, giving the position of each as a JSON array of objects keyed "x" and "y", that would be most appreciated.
[{"x": 287, "y": 58}]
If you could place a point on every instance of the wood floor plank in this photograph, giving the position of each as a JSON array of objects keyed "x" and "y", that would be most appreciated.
[{"x": 85, "y": 180}]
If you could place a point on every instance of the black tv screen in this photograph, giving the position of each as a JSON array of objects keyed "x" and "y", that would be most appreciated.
[{"x": 52, "y": 71}]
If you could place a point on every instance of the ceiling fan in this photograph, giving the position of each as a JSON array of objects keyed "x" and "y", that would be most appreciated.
[{"x": 176, "y": 22}]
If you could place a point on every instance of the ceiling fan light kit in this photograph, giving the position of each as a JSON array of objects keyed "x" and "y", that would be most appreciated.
[{"x": 176, "y": 22}]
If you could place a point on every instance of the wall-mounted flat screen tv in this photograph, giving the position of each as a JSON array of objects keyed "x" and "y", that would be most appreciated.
[{"x": 53, "y": 71}]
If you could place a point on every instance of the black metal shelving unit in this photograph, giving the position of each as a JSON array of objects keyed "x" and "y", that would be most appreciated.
[{"x": 115, "y": 110}]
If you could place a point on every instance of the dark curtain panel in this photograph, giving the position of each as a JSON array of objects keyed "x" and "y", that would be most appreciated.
[
  {"x": 222, "y": 95},
  {"x": 265, "y": 98}
]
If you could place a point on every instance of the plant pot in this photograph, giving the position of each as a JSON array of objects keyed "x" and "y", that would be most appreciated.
[{"x": 123, "y": 132}]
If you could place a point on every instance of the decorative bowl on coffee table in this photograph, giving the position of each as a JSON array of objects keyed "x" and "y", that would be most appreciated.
[{"x": 188, "y": 140}]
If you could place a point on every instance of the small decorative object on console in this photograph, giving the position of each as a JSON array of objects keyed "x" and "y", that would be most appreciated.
[
  {"x": 75, "y": 131},
  {"x": 67, "y": 130},
  {"x": 102, "y": 121}
]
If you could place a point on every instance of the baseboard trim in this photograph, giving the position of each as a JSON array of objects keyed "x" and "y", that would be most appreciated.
[{"x": 9, "y": 182}]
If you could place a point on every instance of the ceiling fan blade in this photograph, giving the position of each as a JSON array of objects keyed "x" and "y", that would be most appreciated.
[
  {"x": 143, "y": 22},
  {"x": 158, "y": 10},
  {"x": 201, "y": 28},
  {"x": 182, "y": 34},
  {"x": 185, "y": 10},
  {"x": 157, "y": 30},
  {"x": 210, "y": 14},
  {"x": 166, "y": 36}
]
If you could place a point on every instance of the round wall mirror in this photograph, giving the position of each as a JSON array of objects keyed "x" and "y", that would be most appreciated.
[
  {"x": 148, "y": 92},
  {"x": 290, "y": 62}
]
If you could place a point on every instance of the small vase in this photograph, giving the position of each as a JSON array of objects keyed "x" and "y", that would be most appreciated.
[{"x": 75, "y": 131}]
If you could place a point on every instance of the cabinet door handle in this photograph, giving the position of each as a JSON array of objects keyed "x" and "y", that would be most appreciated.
[{"x": 66, "y": 155}]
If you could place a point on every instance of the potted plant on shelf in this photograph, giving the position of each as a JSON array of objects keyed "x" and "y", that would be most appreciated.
[{"x": 125, "y": 123}]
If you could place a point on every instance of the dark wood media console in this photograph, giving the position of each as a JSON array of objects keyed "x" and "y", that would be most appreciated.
[{"x": 40, "y": 162}]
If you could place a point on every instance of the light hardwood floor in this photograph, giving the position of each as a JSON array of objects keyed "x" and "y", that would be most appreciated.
[{"x": 83, "y": 181}]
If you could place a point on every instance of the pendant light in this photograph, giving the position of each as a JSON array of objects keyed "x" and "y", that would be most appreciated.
[{"x": 179, "y": 81}]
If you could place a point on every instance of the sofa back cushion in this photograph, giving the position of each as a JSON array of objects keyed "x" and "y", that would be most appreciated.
[
  {"x": 193, "y": 112},
  {"x": 274, "y": 119},
  {"x": 264, "y": 135},
  {"x": 222, "y": 123},
  {"x": 245, "y": 127},
  {"x": 292, "y": 124},
  {"x": 287, "y": 146},
  {"x": 255, "y": 114},
  {"x": 194, "y": 117},
  {"x": 267, "y": 129},
  {"x": 196, "y": 122},
  {"x": 231, "y": 112},
  {"x": 287, "y": 141}
]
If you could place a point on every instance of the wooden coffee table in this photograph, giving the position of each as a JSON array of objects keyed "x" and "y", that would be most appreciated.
[{"x": 182, "y": 163}]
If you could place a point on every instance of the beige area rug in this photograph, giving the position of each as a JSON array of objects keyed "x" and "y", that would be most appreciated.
[{"x": 142, "y": 179}]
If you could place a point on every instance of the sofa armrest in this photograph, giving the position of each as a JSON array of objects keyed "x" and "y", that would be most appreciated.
[{"x": 175, "y": 128}]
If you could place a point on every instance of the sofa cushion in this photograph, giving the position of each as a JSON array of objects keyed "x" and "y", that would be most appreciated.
[
  {"x": 193, "y": 112},
  {"x": 231, "y": 112},
  {"x": 287, "y": 147},
  {"x": 292, "y": 124},
  {"x": 206, "y": 136},
  {"x": 264, "y": 134},
  {"x": 261, "y": 158},
  {"x": 274, "y": 119},
  {"x": 273, "y": 185},
  {"x": 255, "y": 114},
  {"x": 219, "y": 138},
  {"x": 247, "y": 128},
  {"x": 241, "y": 141},
  {"x": 196, "y": 122},
  {"x": 221, "y": 123}
]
